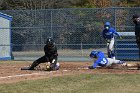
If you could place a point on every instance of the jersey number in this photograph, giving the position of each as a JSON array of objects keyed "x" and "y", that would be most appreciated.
[{"x": 104, "y": 61}]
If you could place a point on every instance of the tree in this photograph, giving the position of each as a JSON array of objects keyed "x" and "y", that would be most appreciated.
[{"x": 53, "y": 4}]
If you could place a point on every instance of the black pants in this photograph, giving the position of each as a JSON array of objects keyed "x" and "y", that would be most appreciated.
[
  {"x": 44, "y": 59},
  {"x": 138, "y": 43}
]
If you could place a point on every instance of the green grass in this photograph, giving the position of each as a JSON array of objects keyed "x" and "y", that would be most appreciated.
[{"x": 85, "y": 83}]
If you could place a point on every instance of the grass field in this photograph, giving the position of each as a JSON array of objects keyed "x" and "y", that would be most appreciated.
[
  {"x": 83, "y": 83},
  {"x": 68, "y": 79}
]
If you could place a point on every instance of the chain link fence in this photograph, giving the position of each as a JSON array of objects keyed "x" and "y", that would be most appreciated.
[{"x": 76, "y": 31}]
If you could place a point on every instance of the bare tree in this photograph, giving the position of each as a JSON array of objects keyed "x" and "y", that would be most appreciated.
[{"x": 52, "y": 4}]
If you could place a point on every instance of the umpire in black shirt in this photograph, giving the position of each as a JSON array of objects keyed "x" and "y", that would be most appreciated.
[
  {"x": 136, "y": 20},
  {"x": 50, "y": 56}
]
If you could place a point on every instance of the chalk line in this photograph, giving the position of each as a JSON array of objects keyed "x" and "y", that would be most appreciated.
[{"x": 22, "y": 75}]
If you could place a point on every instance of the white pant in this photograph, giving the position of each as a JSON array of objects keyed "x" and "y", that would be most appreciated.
[
  {"x": 110, "y": 44},
  {"x": 111, "y": 61}
]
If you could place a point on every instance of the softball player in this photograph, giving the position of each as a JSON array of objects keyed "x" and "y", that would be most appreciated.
[
  {"x": 50, "y": 56},
  {"x": 101, "y": 60},
  {"x": 108, "y": 34}
]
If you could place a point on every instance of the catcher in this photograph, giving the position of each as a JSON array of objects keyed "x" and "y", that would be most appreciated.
[
  {"x": 50, "y": 56},
  {"x": 100, "y": 61}
]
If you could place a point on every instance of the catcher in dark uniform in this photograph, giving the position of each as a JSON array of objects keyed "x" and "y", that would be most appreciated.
[{"x": 50, "y": 56}]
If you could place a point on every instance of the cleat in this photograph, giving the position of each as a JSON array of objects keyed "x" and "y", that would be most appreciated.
[{"x": 122, "y": 62}]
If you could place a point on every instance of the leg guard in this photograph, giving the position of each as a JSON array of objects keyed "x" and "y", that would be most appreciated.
[{"x": 34, "y": 64}]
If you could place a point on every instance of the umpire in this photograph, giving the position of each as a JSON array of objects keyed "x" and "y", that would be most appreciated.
[
  {"x": 50, "y": 56},
  {"x": 136, "y": 20}
]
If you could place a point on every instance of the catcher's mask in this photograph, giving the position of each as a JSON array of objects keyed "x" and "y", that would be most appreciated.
[
  {"x": 93, "y": 54},
  {"x": 50, "y": 42}
]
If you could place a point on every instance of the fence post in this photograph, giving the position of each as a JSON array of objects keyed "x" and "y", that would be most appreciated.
[
  {"x": 115, "y": 18},
  {"x": 51, "y": 24}
]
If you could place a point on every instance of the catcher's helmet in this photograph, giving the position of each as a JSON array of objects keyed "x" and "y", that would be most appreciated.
[
  {"x": 50, "y": 42},
  {"x": 93, "y": 54}
]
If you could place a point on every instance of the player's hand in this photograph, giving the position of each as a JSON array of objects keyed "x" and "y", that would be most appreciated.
[{"x": 91, "y": 67}]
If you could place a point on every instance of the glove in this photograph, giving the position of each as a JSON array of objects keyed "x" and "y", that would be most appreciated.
[
  {"x": 90, "y": 67},
  {"x": 52, "y": 66}
]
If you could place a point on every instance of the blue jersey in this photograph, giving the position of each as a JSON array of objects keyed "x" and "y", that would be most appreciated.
[
  {"x": 109, "y": 34},
  {"x": 101, "y": 60}
]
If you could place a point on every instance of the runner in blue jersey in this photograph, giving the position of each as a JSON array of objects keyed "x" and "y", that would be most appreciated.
[
  {"x": 101, "y": 61},
  {"x": 108, "y": 34}
]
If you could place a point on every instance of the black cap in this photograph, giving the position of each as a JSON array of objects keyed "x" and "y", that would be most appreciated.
[{"x": 136, "y": 16}]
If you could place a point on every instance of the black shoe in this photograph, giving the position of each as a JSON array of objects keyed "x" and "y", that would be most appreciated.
[{"x": 27, "y": 68}]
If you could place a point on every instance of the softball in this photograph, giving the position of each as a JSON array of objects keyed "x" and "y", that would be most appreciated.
[{"x": 47, "y": 67}]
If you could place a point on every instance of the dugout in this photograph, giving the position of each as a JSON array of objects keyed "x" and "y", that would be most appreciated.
[
  {"x": 5, "y": 36},
  {"x": 126, "y": 48}
]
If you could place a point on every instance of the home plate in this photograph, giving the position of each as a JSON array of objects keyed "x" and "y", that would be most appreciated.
[{"x": 65, "y": 70}]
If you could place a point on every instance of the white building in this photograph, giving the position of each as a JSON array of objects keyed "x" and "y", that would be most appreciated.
[{"x": 5, "y": 36}]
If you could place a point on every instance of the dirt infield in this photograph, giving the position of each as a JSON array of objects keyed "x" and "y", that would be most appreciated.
[{"x": 11, "y": 71}]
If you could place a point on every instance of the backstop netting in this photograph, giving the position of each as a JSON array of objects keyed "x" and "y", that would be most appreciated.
[{"x": 76, "y": 31}]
